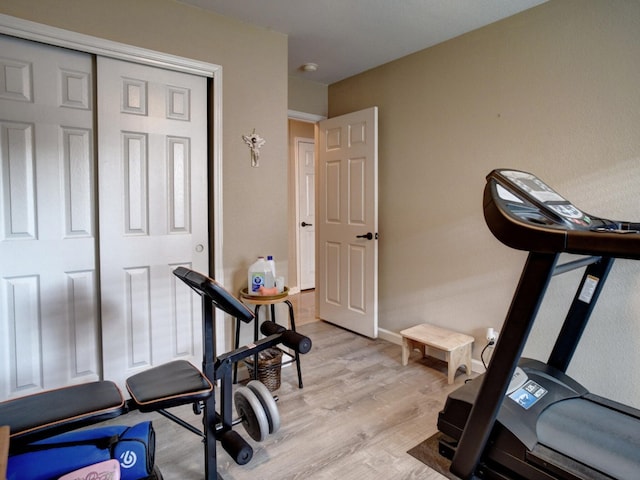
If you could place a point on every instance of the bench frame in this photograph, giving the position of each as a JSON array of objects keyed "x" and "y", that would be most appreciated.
[{"x": 111, "y": 404}]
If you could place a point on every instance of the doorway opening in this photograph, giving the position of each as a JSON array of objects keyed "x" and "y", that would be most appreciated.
[{"x": 302, "y": 135}]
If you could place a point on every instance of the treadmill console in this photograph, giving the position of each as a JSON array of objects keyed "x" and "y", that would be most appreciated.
[
  {"x": 525, "y": 213},
  {"x": 535, "y": 201}
]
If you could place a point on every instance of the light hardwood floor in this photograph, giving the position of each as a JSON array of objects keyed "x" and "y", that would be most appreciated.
[{"x": 359, "y": 412}]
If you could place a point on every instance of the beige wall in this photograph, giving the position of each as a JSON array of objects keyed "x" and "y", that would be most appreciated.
[
  {"x": 254, "y": 63},
  {"x": 554, "y": 90},
  {"x": 307, "y": 96}
]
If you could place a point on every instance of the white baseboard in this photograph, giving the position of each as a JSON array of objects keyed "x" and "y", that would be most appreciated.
[
  {"x": 477, "y": 366},
  {"x": 390, "y": 336},
  {"x": 294, "y": 290}
]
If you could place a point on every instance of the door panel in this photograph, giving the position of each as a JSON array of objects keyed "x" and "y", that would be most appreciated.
[
  {"x": 49, "y": 333},
  {"x": 307, "y": 213},
  {"x": 348, "y": 191},
  {"x": 49, "y": 289},
  {"x": 153, "y": 179}
]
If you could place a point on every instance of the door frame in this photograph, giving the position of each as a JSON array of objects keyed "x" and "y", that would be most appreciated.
[
  {"x": 294, "y": 254},
  {"x": 28, "y": 30}
]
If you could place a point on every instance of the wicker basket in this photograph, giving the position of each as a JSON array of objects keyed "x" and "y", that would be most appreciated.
[{"x": 269, "y": 367}]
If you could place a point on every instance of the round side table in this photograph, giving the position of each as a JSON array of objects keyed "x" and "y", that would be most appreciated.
[{"x": 258, "y": 301}]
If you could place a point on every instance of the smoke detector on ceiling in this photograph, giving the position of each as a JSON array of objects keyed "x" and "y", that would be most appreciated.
[{"x": 309, "y": 67}]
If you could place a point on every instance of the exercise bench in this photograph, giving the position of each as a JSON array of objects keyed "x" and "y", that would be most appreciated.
[{"x": 43, "y": 415}]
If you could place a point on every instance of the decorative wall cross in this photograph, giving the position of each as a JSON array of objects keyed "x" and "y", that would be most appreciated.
[{"x": 254, "y": 141}]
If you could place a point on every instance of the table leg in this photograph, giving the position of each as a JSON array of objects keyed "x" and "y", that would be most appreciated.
[
  {"x": 293, "y": 327},
  {"x": 256, "y": 326},
  {"x": 406, "y": 350}
]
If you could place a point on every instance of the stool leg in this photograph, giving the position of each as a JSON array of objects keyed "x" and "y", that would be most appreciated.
[
  {"x": 237, "y": 345},
  {"x": 467, "y": 360},
  {"x": 457, "y": 358},
  {"x": 452, "y": 361},
  {"x": 406, "y": 350},
  {"x": 293, "y": 327},
  {"x": 256, "y": 325}
]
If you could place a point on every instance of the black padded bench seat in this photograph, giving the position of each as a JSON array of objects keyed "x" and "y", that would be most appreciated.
[
  {"x": 48, "y": 413},
  {"x": 169, "y": 385}
]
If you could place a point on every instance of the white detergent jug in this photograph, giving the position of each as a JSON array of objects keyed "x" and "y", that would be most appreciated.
[
  {"x": 272, "y": 265},
  {"x": 260, "y": 275}
]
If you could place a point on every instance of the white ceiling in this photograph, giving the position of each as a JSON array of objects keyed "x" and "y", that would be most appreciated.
[{"x": 347, "y": 37}]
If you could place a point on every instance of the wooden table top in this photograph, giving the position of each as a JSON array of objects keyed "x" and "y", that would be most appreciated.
[{"x": 264, "y": 299}]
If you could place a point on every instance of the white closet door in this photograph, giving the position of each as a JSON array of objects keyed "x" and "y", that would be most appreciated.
[
  {"x": 153, "y": 213},
  {"x": 48, "y": 312}
]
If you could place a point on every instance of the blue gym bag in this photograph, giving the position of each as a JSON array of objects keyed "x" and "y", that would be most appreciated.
[{"x": 133, "y": 447}]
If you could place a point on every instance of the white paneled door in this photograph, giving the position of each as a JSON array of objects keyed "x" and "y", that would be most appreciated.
[
  {"x": 88, "y": 242},
  {"x": 48, "y": 309},
  {"x": 152, "y": 137},
  {"x": 307, "y": 212},
  {"x": 348, "y": 221}
]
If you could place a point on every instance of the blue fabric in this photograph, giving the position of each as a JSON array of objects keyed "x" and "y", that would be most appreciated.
[{"x": 49, "y": 459}]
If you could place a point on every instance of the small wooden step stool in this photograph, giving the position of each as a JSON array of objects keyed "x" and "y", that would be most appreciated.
[{"x": 456, "y": 346}]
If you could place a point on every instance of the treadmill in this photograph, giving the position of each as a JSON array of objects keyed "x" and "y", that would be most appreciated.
[{"x": 524, "y": 418}]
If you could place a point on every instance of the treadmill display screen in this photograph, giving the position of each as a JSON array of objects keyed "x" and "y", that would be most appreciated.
[
  {"x": 534, "y": 187},
  {"x": 548, "y": 198}
]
